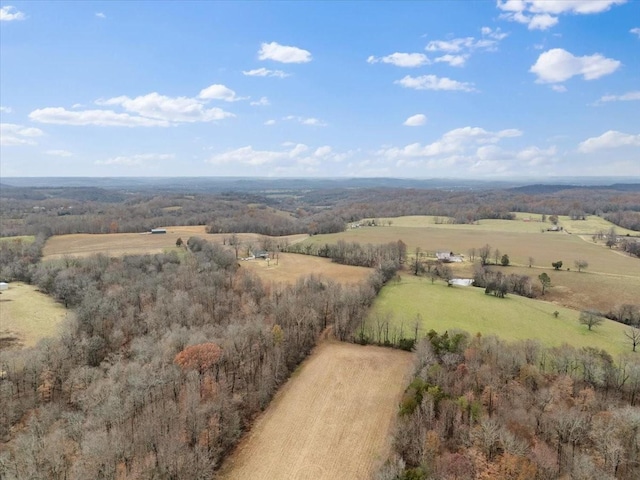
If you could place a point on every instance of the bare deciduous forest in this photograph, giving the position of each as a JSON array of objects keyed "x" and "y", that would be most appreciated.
[{"x": 168, "y": 358}]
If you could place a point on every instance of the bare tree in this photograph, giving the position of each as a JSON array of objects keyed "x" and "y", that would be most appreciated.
[
  {"x": 633, "y": 334},
  {"x": 581, "y": 264},
  {"x": 484, "y": 253},
  {"x": 590, "y": 318}
]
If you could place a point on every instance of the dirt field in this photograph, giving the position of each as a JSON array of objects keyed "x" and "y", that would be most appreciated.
[
  {"x": 27, "y": 315},
  {"x": 117, "y": 244},
  {"x": 289, "y": 267},
  {"x": 330, "y": 421}
]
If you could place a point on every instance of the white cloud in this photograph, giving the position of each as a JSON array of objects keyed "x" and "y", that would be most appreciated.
[
  {"x": 453, "y": 60},
  {"x": 535, "y": 156},
  {"x": 311, "y": 121},
  {"x": 283, "y": 53},
  {"x": 102, "y": 118},
  {"x": 292, "y": 157},
  {"x": 6, "y": 109},
  {"x": 458, "y": 141},
  {"x": 14, "y": 135},
  {"x": 409, "y": 60},
  {"x": 626, "y": 97},
  {"x": 170, "y": 109},
  {"x": 136, "y": 160},
  {"x": 265, "y": 72},
  {"x": 635, "y": 31},
  {"x": 559, "y": 88},
  {"x": 10, "y": 13},
  {"x": 101, "y": 15},
  {"x": 543, "y": 14},
  {"x": 461, "y": 44},
  {"x": 270, "y": 122},
  {"x": 610, "y": 139},
  {"x": 219, "y": 92},
  {"x": 416, "y": 120},
  {"x": 432, "y": 82},
  {"x": 496, "y": 34},
  {"x": 557, "y": 65},
  {"x": 263, "y": 102},
  {"x": 59, "y": 153}
]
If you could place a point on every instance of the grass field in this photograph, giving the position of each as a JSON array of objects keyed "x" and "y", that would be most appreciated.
[
  {"x": 524, "y": 223},
  {"x": 27, "y": 315},
  {"x": 21, "y": 238},
  {"x": 511, "y": 318},
  {"x": 611, "y": 278},
  {"x": 118, "y": 244},
  {"x": 331, "y": 420},
  {"x": 290, "y": 267}
]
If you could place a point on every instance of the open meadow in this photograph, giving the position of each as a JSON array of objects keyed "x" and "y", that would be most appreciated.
[
  {"x": 26, "y": 315},
  {"x": 467, "y": 308},
  {"x": 331, "y": 420},
  {"x": 118, "y": 244},
  {"x": 611, "y": 278},
  {"x": 289, "y": 267}
]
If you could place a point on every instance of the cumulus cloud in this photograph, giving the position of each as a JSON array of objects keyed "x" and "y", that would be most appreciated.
[
  {"x": 557, "y": 65},
  {"x": 265, "y": 72},
  {"x": 102, "y": 118},
  {"x": 6, "y": 109},
  {"x": 457, "y": 141},
  {"x": 10, "y": 13},
  {"x": 283, "y": 53},
  {"x": 432, "y": 82},
  {"x": 416, "y": 120},
  {"x": 136, "y": 160},
  {"x": 626, "y": 97},
  {"x": 311, "y": 121},
  {"x": 12, "y": 135},
  {"x": 543, "y": 14},
  {"x": 461, "y": 44},
  {"x": 270, "y": 122},
  {"x": 101, "y": 15},
  {"x": 635, "y": 31},
  {"x": 151, "y": 110},
  {"x": 409, "y": 60},
  {"x": 292, "y": 157},
  {"x": 219, "y": 92},
  {"x": 59, "y": 153},
  {"x": 609, "y": 140},
  {"x": 453, "y": 60},
  {"x": 263, "y": 102}
]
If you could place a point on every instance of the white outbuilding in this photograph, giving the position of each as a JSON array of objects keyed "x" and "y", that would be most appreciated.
[{"x": 4, "y": 286}]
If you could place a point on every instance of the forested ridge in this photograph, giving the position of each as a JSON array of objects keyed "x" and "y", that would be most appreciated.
[{"x": 56, "y": 211}]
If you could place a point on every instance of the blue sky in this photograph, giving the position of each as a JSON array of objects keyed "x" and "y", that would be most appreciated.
[{"x": 480, "y": 89}]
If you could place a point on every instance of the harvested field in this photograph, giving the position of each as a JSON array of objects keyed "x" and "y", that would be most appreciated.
[
  {"x": 289, "y": 267},
  {"x": 26, "y": 316},
  {"x": 118, "y": 244},
  {"x": 330, "y": 421}
]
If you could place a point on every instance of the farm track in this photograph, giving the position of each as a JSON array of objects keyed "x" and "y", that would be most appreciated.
[{"x": 331, "y": 420}]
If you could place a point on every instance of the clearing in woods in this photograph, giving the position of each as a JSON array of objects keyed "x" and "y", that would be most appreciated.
[
  {"x": 289, "y": 267},
  {"x": 331, "y": 420},
  {"x": 117, "y": 244},
  {"x": 26, "y": 315}
]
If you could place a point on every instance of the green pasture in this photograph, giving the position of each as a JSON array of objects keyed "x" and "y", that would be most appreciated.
[
  {"x": 20, "y": 238},
  {"x": 467, "y": 308},
  {"x": 544, "y": 248}
]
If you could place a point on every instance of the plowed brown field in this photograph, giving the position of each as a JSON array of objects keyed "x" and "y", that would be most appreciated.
[{"x": 330, "y": 421}]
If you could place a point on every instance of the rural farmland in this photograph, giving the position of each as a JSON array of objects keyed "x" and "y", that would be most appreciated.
[{"x": 331, "y": 420}]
